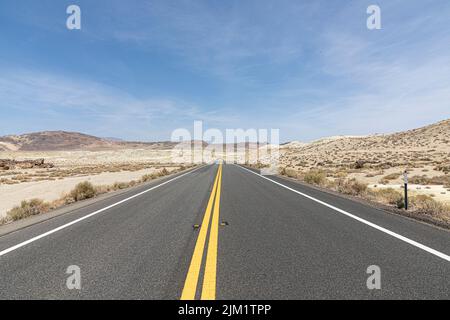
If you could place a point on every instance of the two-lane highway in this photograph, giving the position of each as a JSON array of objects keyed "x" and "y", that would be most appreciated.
[{"x": 254, "y": 238}]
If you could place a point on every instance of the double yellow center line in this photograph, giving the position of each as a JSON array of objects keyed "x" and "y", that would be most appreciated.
[{"x": 209, "y": 278}]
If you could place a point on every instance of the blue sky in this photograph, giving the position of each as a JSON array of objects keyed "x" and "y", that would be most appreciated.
[{"x": 138, "y": 70}]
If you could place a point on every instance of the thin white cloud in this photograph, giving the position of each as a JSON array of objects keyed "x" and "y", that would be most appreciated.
[
  {"x": 95, "y": 107},
  {"x": 374, "y": 83}
]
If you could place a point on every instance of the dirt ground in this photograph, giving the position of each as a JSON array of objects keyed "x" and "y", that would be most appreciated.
[{"x": 73, "y": 167}]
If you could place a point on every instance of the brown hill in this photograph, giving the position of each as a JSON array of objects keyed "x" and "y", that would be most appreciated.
[{"x": 67, "y": 141}]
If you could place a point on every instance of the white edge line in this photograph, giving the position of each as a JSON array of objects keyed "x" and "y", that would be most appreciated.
[
  {"x": 17, "y": 246},
  {"x": 373, "y": 225}
]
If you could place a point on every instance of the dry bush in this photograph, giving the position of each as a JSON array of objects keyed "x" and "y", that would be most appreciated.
[
  {"x": 438, "y": 180},
  {"x": 340, "y": 174},
  {"x": 163, "y": 172},
  {"x": 351, "y": 187},
  {"x": 316, "y": 177},
  {"x": 123, "y": 185},
  {"x": 443, "y": 167},
  {"x": 424, "y": 180},
  {"x": 429, "y": 206},
  {"x": 391, "y": 176},
  {"x": 290, "y": 172},
  {"x": 82, "y": 191},
  {"x": 359, "y": 164},
  {"x": 100, "y": 189},
  {"x": 389, "y": 196},
  {"x": 419, "y": 180},
  {"x": 4, "y": 220},
  {"x": 149, "y": 177},
  {"x": 257, "y": 165},
  {"x": 28, "y": 208}
]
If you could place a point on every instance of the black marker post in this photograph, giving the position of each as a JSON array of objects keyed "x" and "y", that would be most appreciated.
[{"x": 405, "y": 179}]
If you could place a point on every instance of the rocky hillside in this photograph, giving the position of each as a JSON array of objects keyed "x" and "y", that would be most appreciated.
[{"x": 428, "y": 145}]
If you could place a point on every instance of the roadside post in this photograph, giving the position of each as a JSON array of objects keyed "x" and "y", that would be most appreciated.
[{"x": 405, "y": 179}]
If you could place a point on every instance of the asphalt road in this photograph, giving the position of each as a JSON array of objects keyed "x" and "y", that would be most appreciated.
[{"x": 254, "y": 238}]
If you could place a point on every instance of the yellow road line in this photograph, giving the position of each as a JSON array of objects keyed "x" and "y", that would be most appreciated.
[
  {"x": 190, "y": 285},
  {"x": 209, "y": 279}
]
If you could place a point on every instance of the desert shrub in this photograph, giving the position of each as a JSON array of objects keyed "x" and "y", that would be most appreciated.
[
  {"x": 351, "y": 187},
  {"x": 290, "y": 172},
  {"x": 260, "y": 165},
  {"x": 358, "y": 187},
  {"x": 4, "y": 220},
  {"x": 83, "y": 190},
  {"x": 444, "y": 180},
  {"x": 28, "y": 208},
  {"x": 419, "y": 179},
  {"x": 316, "y": 177},
  {"x": 359, "y": 164},
  {"x": 400, "y": 203},
  {"x": 102, "y": 189},
  {"x": 443, "y": 167},
  {"x": 391, "y": 176},
  {"x": 163, "y": 172},
  {"x": 428, "y": 205},
  {"x": 331, "y": 184},
  {"x": 148, "y": 177},
  {"x": 120, "y": 185},
  {"x": 424, "y": 180},
  {"x": 341, "y": 174},
  {"x": 389, "y": 196},
  {"x": 152, "y": 176}
]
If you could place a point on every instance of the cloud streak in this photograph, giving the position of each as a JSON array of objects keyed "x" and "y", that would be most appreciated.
[{"x": 101, "y": 109}]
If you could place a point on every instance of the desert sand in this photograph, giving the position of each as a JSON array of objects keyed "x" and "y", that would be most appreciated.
[
  {"x": 12, "y": 195},
  {"x": 104, "y": 167}
]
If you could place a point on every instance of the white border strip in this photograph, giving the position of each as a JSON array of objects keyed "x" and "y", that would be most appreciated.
[
  {"x": 391, "y": 233},
  {"x": 22, "y": 244}
]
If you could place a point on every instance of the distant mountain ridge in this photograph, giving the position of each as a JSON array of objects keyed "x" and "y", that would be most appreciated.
[
  {"x": 434, "y": 137},
  {"x": 68, "y": 141}
]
